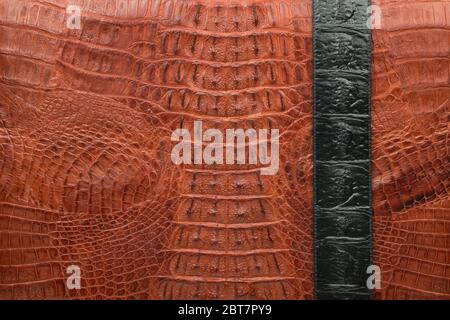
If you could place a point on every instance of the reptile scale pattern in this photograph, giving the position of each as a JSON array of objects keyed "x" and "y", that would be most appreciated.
[
  {"x": 342, "y": 156},
  {"x": 85, "y": 171},
  {"x": 410, "y": 149}
]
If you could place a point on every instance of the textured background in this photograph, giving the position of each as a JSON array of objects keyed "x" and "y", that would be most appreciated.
[{"x": 86, "y": 176}]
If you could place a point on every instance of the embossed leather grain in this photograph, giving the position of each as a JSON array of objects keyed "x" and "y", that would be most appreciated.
[
  {"x": 342, "y": 206},
  {"x": 87, "y": 178},
  {"x": 85, "y": 171},
  {"x": 410, "y": 149}
]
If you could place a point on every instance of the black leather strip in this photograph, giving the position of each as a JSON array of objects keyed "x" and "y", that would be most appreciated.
[{"x": 342, "y": 199}]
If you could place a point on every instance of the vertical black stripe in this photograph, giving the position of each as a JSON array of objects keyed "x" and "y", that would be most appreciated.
[{"x": 342, "y": 199}]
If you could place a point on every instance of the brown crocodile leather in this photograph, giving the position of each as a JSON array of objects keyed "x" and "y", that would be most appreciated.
[
  {"x": 86, "y": 175},
  {"x": 410, "y": 149}
]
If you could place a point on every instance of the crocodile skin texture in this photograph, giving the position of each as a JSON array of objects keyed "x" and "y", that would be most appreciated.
[
  {"x": 86, "y": 174},
  {"x": 342, "y": 211},
  {"x": 85, "y": 171},
  {"x": 410, "y": 149}
]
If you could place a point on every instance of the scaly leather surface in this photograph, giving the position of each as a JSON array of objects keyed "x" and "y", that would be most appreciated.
[
  {"x": 342, "y": 206},
  {"x": 410, "y": 149},
  {"x": 85, "y": 170},
  {"x": 86, "y": 174}
]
